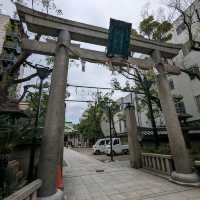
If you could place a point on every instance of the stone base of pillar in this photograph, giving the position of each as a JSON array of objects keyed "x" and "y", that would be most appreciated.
[
  {"x": 59, "y": 195},
  {"x": 192, "y": 179},
  {"x": 135, "y": 165}
]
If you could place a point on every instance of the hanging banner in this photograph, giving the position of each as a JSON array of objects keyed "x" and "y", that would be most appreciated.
[{"x": 118, "y": 39}]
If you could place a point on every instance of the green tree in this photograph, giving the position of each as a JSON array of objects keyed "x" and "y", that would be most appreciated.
[
  {"x": 155, "y": 30},
  {"x": 33, "y": 97},
  {"x": 18, "y": 128},
  {"x": 89, "y": 126},
  {"x": 14, "y": 129}
]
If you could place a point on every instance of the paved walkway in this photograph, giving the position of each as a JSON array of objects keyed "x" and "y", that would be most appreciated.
[{"x": 88, "y": 179}]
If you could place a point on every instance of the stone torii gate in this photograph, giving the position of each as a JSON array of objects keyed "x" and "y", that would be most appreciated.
[{"x": 62, "y": 49}]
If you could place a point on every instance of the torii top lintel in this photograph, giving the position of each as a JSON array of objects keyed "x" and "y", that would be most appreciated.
[{"x": 46, "y": 24}]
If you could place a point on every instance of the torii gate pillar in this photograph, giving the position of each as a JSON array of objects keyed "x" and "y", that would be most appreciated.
[
  {"x": 183, "y": 164},
  {"x": 54, "y": 122},
  {"x": 134, "y": 146}
]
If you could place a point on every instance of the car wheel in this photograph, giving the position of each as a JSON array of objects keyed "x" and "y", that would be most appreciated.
[
  {"x": 125, "y": 152},
  {"x": 97, "y": 152}
]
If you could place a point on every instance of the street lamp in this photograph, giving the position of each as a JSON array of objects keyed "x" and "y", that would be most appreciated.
[{"x": 43, "y": 73}]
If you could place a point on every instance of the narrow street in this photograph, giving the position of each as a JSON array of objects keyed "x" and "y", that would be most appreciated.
[{"x": 86, "y": 178}]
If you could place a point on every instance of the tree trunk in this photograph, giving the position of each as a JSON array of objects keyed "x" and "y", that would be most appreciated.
[
  {"x": 153, "y": 122},
  {"x": 4, "y": 91}
]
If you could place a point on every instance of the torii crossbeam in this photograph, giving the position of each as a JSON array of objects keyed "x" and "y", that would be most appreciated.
[{"x": 45, "y": 24}]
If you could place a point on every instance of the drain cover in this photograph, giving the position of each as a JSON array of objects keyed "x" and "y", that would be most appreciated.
[{"x": 99, "y": 170}]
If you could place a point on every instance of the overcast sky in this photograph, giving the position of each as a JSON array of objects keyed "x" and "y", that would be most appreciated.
[{"x": 95, "y": 12}]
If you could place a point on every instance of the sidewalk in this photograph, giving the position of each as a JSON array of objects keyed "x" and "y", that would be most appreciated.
[{"x": 86, "y": 178}]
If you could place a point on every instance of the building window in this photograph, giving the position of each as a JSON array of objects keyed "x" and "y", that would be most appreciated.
[
  {"x": 102, "y": 142},
  {"x": 180, "y": 28},
  {"x": 120, "y": 126},
  {"x": 180, "y": 106},
  {"x": 171, "y": 84},
  {"x": 197, "y": 99},
  {"x": 195, "y": 69},
  {"x": 125, "y": 124},
  {"x": 116, "y": 141}
]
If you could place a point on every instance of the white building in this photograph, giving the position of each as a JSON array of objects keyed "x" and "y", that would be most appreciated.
[
  {"x": 182, "y": 85},
  {"x": 10, "y": 47},
  {"x": 4, "y": 20},
  {"x": 141, "y": 117},
  {"x": 186, "y": 92}
]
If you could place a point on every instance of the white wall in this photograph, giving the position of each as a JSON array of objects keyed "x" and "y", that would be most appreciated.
[
  {"x": 4, "y": 19},
  {"x": 183, "y": 84}
]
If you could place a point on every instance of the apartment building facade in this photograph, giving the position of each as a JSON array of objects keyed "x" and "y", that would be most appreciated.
[
  {"x": 183, "y": 87},
  {"x": 10, "y": 47}
]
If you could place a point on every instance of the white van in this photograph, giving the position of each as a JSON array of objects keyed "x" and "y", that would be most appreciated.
[
  {"x": 100, "y": 146},
  {"x": 117, "y": 147}
]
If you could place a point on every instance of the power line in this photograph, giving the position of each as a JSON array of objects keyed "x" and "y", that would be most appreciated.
[
  {"x": 80, "y": 101},
  {"x": 90, "y": 101},
  {"x": 90, "y": 87},
  {"x": 104, "y": 88}
]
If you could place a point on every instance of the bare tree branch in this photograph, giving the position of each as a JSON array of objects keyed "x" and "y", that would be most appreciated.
[
  {"x": 128, "y": 77},
  {"x": 25, "y": 79},
  {"x": 21, "y": 58},
  {"x": 26, "y": 87},
  {"x": 187, "y": 10},
  {"x": 198, "y": 16}
]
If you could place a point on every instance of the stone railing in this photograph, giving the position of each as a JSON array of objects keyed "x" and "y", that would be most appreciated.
[
  {"x": 197, "y": 164},
  {"x": 82, "y": 149},
  {"x": 29, "y": 192},
  {"x": 162, "y": 164}
]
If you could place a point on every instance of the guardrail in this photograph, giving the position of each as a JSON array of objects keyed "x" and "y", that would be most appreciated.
[
  {"x": 157, "y": 162},
  {"x": 28, "y": 192}
]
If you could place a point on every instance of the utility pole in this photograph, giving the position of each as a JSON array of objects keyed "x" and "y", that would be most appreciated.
[{"x": 111, "y": 140}]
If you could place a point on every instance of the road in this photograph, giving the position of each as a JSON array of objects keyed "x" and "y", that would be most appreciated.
[{"x": 87, "y": 178}]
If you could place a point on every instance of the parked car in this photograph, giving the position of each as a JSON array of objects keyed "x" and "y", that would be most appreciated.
[
  {"x": 100, "y": 146},
  {"x": 117, "y": 147}
]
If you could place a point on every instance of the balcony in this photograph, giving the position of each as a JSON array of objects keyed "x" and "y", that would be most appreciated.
[
  {"x": 13, "y": 45},
  {"x": 8, "y": 57},
  {"x": 180, "y": 110},
  {"x": 194, "y": 71},
  {"x": 12, "y": 34}
]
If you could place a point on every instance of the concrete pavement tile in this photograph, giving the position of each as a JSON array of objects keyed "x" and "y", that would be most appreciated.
[{"x": 82, "y": 182}]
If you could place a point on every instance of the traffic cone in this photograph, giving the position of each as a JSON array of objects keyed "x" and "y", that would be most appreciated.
[{"x": 59, "y": 178}]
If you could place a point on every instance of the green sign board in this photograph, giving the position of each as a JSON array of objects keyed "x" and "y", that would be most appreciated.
[{"x": 118, "y": 39}]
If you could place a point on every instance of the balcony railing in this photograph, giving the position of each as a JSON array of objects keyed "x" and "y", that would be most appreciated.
[
  {"x": 12, "y": 34},
  {"x": 8, "y": 57},
  {"x": 12, "y": 45},
  {"x": 180, "y": 110}
]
